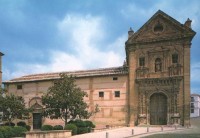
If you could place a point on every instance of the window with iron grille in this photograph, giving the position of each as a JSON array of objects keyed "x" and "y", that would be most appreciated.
[
  {"x": 115, "y": 78},
  {"x": 101, "y": 94},
  {"x": 19, "y": 87},
  {"x": 141, "y": 61},
  {"x": 117, "y": 93},
  {"x": 175, "y": 58}
]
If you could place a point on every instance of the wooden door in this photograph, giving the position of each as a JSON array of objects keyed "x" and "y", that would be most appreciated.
[
  {"x": 37, "y": 120},
  {"x": 158, "y": 109}
]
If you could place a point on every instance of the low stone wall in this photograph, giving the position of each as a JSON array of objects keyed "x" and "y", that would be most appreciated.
[{"x": 49, "y": 134}]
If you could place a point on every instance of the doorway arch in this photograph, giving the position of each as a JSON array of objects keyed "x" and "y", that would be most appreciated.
[
  {"x": 36, "y": 104},
  {"x": 158, "y": 109}
]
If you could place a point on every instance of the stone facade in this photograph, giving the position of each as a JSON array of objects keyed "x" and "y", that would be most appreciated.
[
  {"x": 195, "y": 105},
  {"x": 112, "y": 82},
  {"x": 158, "y": 57},
  {"x": 151, "y": 88}
]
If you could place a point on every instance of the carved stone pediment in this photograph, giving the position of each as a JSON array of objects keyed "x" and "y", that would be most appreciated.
[
  {"x": 160, "y": 27},
  {"x": 36, "y": 106},
  {"x": 35, "y": 101}
]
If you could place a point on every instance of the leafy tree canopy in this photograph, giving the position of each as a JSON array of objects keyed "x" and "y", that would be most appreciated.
[
  {"x": 64, "y": 100},
  {"x": 13, "y": 107}
]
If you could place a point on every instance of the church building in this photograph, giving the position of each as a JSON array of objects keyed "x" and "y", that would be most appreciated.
[{"x": 151, "y": 88}]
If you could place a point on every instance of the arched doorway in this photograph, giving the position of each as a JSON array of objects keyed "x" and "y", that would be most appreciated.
[
  {"x": 36, "y": 104},
  {"x": 158, "y": 109}
]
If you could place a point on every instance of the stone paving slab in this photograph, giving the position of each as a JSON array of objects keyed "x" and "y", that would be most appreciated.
[{"x": 126, "y": 132}]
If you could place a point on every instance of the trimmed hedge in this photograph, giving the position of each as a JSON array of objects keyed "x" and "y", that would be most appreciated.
[
  {"x": 89, "y": 124},
  {"x": 28, "y": 127},
  {"x": 58, "y": 127},
  {"x": 9, "y": 124},
  {"x": 79, "y": 123},
  {"x": 19, "y": 131},
  {"x": 8, "y": 131},
  {"x": 82, "y": 130},
  {"x": 21, "y": 123},
  {"x": 82, "y": 126},
  {"x": 46, "y": 127},
  {"x": 1, "y": 135},
  {"x": 72, "y": 127}
]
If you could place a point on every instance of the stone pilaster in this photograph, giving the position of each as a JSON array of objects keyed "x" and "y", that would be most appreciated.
[
  {"x": 133, "y": 98},
  {"x": 186, "y": 86}
]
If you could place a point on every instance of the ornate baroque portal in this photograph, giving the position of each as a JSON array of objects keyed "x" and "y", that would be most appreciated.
[{"x": 158, "y": 100}]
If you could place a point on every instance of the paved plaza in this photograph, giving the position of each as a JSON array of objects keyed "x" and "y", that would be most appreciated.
[
  {"x": 151, "y": 132},
  {"x": 127, "y": 132}
]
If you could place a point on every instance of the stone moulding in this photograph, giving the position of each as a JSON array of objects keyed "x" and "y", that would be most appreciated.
[
  {"x": 176, "y": 115},
  {"x": 142, "y": 115},
  {"x": 49, "y": 134}
]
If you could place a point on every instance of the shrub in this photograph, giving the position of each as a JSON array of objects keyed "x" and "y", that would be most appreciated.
[
  {"x": 19, "y": 131},
  {"x": 1, "y": 135},
  {"x": 82, "y": 130},
  {"x": 89, "y": 124},
  {"x": 46, "y": 127},
  {"x": 79, "y": 123},
  {"x": 28, "y": 127},
  {"x": 71, "y": 122},
  {"x": 7, "y": 131},
  {"x": 21, "y": 123},
  {"x": 72, "y": 127},
  {"x": 9, "y": 124},
  {"x": 58, "y": 127}
]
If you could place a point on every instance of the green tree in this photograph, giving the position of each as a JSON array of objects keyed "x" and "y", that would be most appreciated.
[
  {"x": 64, "y": 100},
  {"x": 13, "y": 107}
]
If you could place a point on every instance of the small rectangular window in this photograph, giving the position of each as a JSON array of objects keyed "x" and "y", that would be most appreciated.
[
  {"x": 101, "y": 94},
  {"x": 192, "y": 110},
  {"x": 117, "y": 93},
  {"x": 115, "y": 78},
  {"x": 192, "y": 105},
  {"x": 175, "y": 58},
  {"x": 192, "y": 99},
  {"x": 142, "y": 61},
  {"x": 19, "y": 87}
]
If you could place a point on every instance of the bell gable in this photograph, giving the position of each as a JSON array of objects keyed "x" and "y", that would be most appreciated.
[{"x": 161, "y": 27}]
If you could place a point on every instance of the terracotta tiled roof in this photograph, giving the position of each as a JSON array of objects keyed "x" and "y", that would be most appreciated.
[
  {"x": 82, "y": 73},
  {"x": 195, "y": 94}
]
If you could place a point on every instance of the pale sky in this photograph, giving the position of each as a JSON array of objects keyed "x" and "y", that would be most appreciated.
[{"x": 39, "y": 36}]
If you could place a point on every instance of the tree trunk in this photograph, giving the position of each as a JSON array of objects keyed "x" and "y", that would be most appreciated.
[{"x": 65, "y": 118}]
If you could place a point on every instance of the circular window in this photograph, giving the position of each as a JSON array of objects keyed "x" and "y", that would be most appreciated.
[{"x": 158, "y": 28}]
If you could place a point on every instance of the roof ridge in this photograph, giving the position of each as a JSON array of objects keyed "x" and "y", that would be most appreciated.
[
  {"x": 81, "y": 73},
  {"x": 86, "y": 70}
]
